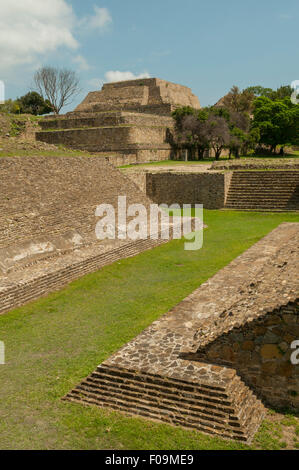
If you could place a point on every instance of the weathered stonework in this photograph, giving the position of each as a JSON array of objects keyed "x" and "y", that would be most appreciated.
[
  {"x": 257, "y": 164},
  {"x": 167, "y": 373},
  {"x": 128, "y": 119},
  {"x": 47, "y": 223},
  {"x": 149, "y": 95},
  {"x": 260, "y": 352},
  {"x": 276, "y": 190},
  {"x": 183, "y": 187},
  {"x": 264, "y": 190}
]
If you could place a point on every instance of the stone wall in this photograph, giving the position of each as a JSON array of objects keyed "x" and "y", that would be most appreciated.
[
  {"x": 260, "y": 352},
  {"x": 118, "y": 118},
  {"x": 45, "y": 279},
  {"x": 137, "y": 156},
  {"x": 123, "y": 137},
  {"x": 109, "y": 138},
  {"x": 246, "y": 318},
  {"x": 209, "y": 189}
]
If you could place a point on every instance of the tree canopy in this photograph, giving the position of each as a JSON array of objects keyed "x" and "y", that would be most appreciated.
[
  {"x": 277, "y": 122},
  {"x": 34, "y": 103}
]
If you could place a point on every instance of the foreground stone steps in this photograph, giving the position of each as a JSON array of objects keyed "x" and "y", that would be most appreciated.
[{"x": 196, "y": 406}]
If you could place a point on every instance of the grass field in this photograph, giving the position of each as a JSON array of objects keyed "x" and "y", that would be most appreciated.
[{"x": 53, "y": 343}]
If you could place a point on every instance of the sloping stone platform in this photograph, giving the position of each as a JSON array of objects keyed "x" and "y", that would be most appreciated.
[
  {"x": 163, "y": 374},
  {"x": 48, "y": 222}
]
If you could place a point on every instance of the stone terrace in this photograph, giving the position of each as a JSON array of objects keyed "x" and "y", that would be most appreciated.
[
  {"x": 47, "y": 223},
  {"x": 128, "y": 122},
  {"x": 159, "y": 374}
]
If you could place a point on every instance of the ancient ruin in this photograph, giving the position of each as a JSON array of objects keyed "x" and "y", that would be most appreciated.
[
  {"x": 210, "y": 360},
  {"x": 48, "y": 221},
  {"x": 273, "y": 190},
  {"x": 126, "y": 121},
  {"x": 215, "y": 360}
]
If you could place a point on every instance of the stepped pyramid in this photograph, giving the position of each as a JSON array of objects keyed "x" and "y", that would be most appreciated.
[{"x": 129, "y": 118}]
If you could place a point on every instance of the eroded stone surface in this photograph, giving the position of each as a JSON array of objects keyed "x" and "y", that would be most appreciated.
[
  {"x": 258, "y": 289},
  {"x": 128, "y": 121},
  {"x": 144, "y": 95},
  {"x": 48, "y": 223}
]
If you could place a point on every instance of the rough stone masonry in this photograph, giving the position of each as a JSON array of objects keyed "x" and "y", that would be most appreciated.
[
  {"x": 48, "y": 221},
  {"x": 128, "y": 122},
  {"x": 211, "y": 361}
]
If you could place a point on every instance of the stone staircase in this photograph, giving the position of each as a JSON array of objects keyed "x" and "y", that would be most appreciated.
[
  {"x": 264, "y": 190},
  {"x": 231, "y": 412}
]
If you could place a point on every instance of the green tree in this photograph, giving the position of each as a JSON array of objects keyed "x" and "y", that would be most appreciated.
[
  {"x": 281, "y": 93},
  {"x": 34, "y": 103},
  {"x": 10, "y": 106},
  {"x": 277, "y": 122}
]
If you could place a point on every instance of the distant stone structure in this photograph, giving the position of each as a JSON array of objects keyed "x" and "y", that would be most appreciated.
[
  {"x": 207, "y": 362},
  {"x": 276, "y": 190},
  {"x": 149, "y": 95},
  {"x": 127, "y": 122}
]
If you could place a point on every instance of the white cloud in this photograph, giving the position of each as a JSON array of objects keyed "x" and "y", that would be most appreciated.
[
  {"x": 98, "y": 21},
  {"x": 81, "y": 62},
  {"x": 29, "y": 28},
  {"x": 117, "y": 76}
]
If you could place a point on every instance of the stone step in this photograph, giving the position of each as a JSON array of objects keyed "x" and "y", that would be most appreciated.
[
  {"x": 270, "y": 203},
  {"x": 260, "y": 208},
  {"x": 155, "y": 382},
  {"x": 263, "y": 197},
  {"x": 256, "y": 190},
  {"x": 159, "y": 407},
  {"x": 228, "y": 413},
  {"x": 145, "y": 401},
  {"x": 256, "y": 203},
  {"x": 215, "y": 406},
  {"x": 264, "y": 186},
  {"x": 253, "y": 193},
  {"x": 157, "y": 417}
]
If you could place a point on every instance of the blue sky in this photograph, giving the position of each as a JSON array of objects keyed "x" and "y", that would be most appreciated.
[{"x": 206, "y": 45}]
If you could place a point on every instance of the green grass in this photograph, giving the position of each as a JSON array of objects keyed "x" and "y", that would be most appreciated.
[{"x": 55, "y": 342}]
